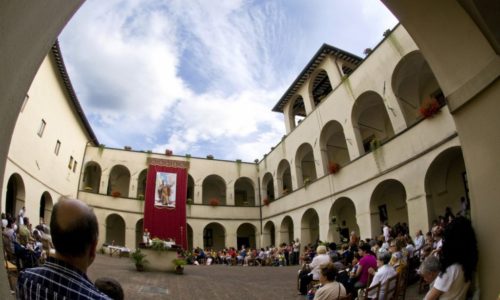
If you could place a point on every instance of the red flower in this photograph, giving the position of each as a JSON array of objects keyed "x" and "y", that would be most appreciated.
[
  {"x": 333, "y": 167},
  {"x": 214, "y": 202},
  {"x": 266, "y": 201},
  {"x": 429, "y": 108},
  {"x": 115, "y": 194}
]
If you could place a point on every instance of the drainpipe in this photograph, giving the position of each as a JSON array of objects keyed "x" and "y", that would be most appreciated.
[{"x": 260, "y": 208}]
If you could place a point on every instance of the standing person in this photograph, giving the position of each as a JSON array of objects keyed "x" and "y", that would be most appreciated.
[
  {"x": 387, "y": 231},
  {"x": 458, "y": 258},
  {"x": 22, "y": 211},
  {"x": 296, "y": 251},
  {"x": 75, "y": 233}
]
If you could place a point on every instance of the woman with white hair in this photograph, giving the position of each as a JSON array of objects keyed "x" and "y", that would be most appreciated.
[{"x": 322, "y": 258}]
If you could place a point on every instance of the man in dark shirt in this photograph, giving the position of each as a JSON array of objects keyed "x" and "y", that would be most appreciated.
[{"x": 74, "y": 234}]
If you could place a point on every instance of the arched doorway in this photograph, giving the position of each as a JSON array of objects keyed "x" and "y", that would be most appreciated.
[
  {"x": 141, "y": 184},
  {"x": 115, "y": 230},
  {"x": 320, "y": 86},
  {"x": 214, "y": 236},
  {"x": 268, "y": 187},
  {"x": 305, "y": 165},
  {"x": 139, "y": 232},
  {"x": 15, "y": 195},
  {"x": 245, "y": 236},
  {"x": 214, "y": 187},
  {"x": 333, "y": 145},
  {"x": 45, "y": 210},
  {"x": 342, "y": 220},
  {"x": 286, "y": 230},
  {"x": 284, "y": 178},
  {"x": 388, "y": 203},
  {"x": 119, "y": 181},
  {"x": 309, "y": 227},
  {"x": 91, "y": 177},
  {"x": 446, "y": 183},
  {"x": 244, "y": 192},
  {"x": 297, "y": 113},
  {"x": 269, "y": 235},
  {"x": 190, "y": 189},
  {"x": 189, "y": 237},
  {"x": 372, "y": 125}
]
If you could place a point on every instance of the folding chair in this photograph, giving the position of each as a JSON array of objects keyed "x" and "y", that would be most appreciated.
[{"x": 391, "y": 288}]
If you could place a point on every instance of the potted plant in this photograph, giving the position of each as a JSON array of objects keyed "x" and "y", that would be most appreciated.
[
  {"x": 139, "y": 259},
  {"x": 169, "y": 152},
  {"x": 210, "y": 156},
  {"x": 179, "y": 264},
  {"x": 429, "y": 107},
  {"x": 333, "y": 167},
  {"x": 128, "y": 148},
  {"x": 189, "y": 201},
  {"x": 140, "y": 197},
  {"x": 115, "y": 194},
  {"x": 307, "y": 182},
  {"x": 214, "y": 202},
  {"x": 266, "y": 201}
]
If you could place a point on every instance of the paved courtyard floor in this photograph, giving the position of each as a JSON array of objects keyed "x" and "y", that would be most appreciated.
[{"x": 204, "y": 282}]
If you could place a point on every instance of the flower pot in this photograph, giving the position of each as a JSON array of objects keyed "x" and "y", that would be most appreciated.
[
  {"x": 179, "y": 270},
  {"x": 139, "y": 267}
]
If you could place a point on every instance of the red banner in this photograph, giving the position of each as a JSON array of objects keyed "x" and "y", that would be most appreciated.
[{"x": 165, "y": 207}]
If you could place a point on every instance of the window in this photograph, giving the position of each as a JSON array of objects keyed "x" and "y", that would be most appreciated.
[
  {"x": 24, "y": 102},
  {"x": 58, "y": 146},
  {"x": 74, "y": 166},
  {"x": 70, "y": 165},
  {"x": 42, "y": 128}
]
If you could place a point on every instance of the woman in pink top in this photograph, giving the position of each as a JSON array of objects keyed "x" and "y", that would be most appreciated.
[{"x": 367, "y": 261}]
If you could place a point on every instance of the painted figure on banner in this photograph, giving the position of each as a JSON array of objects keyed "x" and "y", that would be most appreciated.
[{"x": 165, "y": 189}]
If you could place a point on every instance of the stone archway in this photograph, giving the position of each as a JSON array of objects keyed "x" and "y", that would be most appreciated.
[
  {"x": 305, "y": 165},
  {"x": 214, "y": 236},
  {"x": 388, "y": 203},
  {"x": 342, "y": 220},
  {"x": 214, "y": 187},
  {"x": 309, "y": 227},
  {"x": 269, "y": 234},
  {"x": 91, "y": 180},
  {"x": 286, "y": 230},
  {"x": 15, "y": 195},
  {"x": 245, "y": 236},
  {"x": 119, "y": 181},
  {"x": 139, "y": 232},
  {"x": 115, "y": 230},
  {"x": 189, "y": 234},
  {"x": 45, "y": 211},
  {"x": 244, "y": 192}
]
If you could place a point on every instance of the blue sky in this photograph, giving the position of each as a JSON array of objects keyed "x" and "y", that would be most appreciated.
[{"x": 201, "y": 77}]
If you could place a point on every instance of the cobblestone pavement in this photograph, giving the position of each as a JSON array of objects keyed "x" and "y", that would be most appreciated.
[{"x": 204, "y": 282}]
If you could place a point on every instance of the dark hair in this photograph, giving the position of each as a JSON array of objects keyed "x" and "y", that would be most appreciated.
[
  {"x": 329, "y": 271},
  {"x": 74, "y": 238},
  {"x": 110, "y": 287},
  {"x": 459, "y": 246}
]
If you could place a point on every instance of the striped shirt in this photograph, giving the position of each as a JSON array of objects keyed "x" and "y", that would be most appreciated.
[{"x": 56, "y": 280}]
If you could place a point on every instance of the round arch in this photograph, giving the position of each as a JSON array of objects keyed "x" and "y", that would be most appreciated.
[
  {"x": 189, "y": 237},
  {"x": 214, "y": 236},
  {"x": 269, "y": 234},
  {"x": 388, "y": 203},
  {"x": 141, "y": 184},
  {"x": 319, "y": 86},
  {"x": 268, "y": 187},
  {"x": 115, "y": 230},
  {"x": 342, "y": 220},
  {"x": 214, "y": 187},
  {"x": 119, "y": 181},
  {"x": 244, "y": 192},
  {"x": 286, "y": 230},
  {"x": 284, "y": 178},
  {"x": 15, "y": 195},
  {"x": 412, "y": 82},
  {"x": 297, "y": 112},
  {"x": 45, "y": 209},
  {"x": 91, "y": 177},
  {"x": 372, "y": 125},
  {"x": 139, "y": 232},
  {"x": 305, "y": 165},
  {"x": 333, "y": 145},
  {"x": 245, "y": 236},
  {"x": 309, "y": 227},
  {"x": 190, "y": 189},
  {"x": 446, "y": 183}
]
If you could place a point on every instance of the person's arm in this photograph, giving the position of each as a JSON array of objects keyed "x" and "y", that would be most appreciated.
[
  {"x": 358, "y": 271},
  {"x": 433, "y": 294}
]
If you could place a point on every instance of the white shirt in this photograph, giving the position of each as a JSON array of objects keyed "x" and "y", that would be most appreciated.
[
  {"x": 386, "y": 233},
  {"x": 318, "y": 261},
  {"x": 452, "y": 283},
  {"x": 419, "y": 242},
  {"x": 383, "y": 273}
]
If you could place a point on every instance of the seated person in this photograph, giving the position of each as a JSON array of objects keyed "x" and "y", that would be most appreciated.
[
  {"x": 384, "y": 272},
  {"x": 330, "y": 289},
  {"x": 321, "y": 259},
  {"x": 366, "y": 262}
]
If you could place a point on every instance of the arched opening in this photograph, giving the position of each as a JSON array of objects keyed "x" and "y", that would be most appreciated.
[
  {"x": 309, "y": 227},
  {"x": 284, "y": 178},
  {"x": 412, "y": 83},
  {"x": 269, "y": 235},
  {"x": 268, "y": 186},
  {"x": 91, "y": 177},
  {"x": 333, "y": 145},
  {"x": 245, "y": 236},
  {"x": 119, "y": 181},
  {"x": 297, "y": 111},
  {"x": 372, "y": 125},
  {"x": 388, "y": 203},
  {"x": 189, "y": 237},
  {"x": 321, "y": 87},
  {"x": 141, "y": 184},
  {"x": 214, "y": 187},
  {"x": 214, "y": 236},
  {"x": 244, "y": 192},
  {"x": 190, "y": 189},
  {"x": 446, "y": 183},
  {"x": 139, "y": 232},
  {"x": 45, "y": 211},
  {"x": 15, "y": 195},
  {"x": 305, "y": 165},
  {"x": 286, "y": 230},
  {"x": 115, "y": 230},
  {"x": 342, "y": 220}
]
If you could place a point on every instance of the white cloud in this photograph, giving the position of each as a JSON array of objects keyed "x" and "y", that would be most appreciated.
[{"x": 200, "y": 77}]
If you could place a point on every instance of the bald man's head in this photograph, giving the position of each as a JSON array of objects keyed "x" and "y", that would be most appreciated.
[{"x": 74, "y": 227}]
